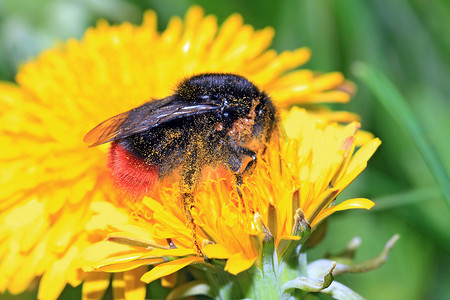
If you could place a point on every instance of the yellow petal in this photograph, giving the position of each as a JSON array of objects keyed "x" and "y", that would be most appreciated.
[
  {"x": 238, "y": 263},
  {"x": 169, "y": 281},
  {"x": 108, "y": 212},
  {"x": 363, "y": 137},
  {"x": 172, "y": 252},
  {"x": 134, "y": 287},
  {"x": 103, "y": 250},
  {"x": 54, "y": 280},
  {"x": 347, "y": 204},
  {"x": 27, "y": 221},
  {"x": 358, "y": 163},
  {"x": 95, "y": 285},
  {"x": 363, "y": 154},
  {"x": 328, "y": 81},
  {"x": 118, "y": 286},
  {"x": 116, "y": 264},
  {"x": 22, "y": 278},
  {"x": 216, "y": 251},
  {"x": 170, "y": 267},
  {"x": 333, "y": 96}
]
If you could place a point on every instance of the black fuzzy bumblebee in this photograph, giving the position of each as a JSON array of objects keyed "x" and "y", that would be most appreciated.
[{"x": 211, "y": 119}]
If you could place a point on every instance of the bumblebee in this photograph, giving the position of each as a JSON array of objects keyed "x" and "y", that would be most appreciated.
[{"x": 210, "y": 120}]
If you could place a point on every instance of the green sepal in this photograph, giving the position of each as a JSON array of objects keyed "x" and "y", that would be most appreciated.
[
  {"x": 310, "y": 284},
  {"x": 192, "y": 288},
  {"x": 301, "y": 229},
  {"x": 319, "y": 266},
  {"x": 341, "y": 292}
]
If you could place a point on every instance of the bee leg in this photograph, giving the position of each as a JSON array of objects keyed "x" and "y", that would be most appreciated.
[
  {"x": 188, "y": 206},
  {"x": 251, "y": 164},
  {"x": 189, "y": 177},
  {"x": 248, "y": 170},
  {"x": 235, "y": 159},
  {"x": 235, "y": 164},
  {"x": 239, "y": 181}
]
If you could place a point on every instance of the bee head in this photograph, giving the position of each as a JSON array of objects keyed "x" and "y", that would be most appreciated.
[{"x": 237, "y": 97}]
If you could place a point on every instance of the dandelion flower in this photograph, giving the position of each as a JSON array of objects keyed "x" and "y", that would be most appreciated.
[
  {"x": 295, "y": 184},
  {"x": 51, "y": 181}
]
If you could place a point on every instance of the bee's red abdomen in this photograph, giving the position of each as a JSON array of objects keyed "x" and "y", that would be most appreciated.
[{"x": 130, "y": 173}]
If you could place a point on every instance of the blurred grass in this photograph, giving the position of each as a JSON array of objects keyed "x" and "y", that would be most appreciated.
[
  {"x": 393, "y": 102},
  {"x": 406, "y": 40}
]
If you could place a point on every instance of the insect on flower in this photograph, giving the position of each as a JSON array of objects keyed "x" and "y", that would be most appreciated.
[{"x": 211, "y": 119}]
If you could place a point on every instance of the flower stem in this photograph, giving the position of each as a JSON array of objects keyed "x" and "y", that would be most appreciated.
[
  {"x": 266, "y": 284},
  {"x": 222, "y": 284}
]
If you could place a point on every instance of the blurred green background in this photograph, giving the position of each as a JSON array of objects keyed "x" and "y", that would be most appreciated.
[{"x": 405, "y": 40}]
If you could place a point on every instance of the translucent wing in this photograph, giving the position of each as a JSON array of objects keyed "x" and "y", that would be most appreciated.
[{"x": 145, "y": 117}]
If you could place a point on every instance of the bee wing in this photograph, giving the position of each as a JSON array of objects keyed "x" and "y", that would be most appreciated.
[{"x": 145, "y": 117}]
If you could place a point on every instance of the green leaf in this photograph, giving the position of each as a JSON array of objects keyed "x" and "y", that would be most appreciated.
[{"x": 405, "y": 198}]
